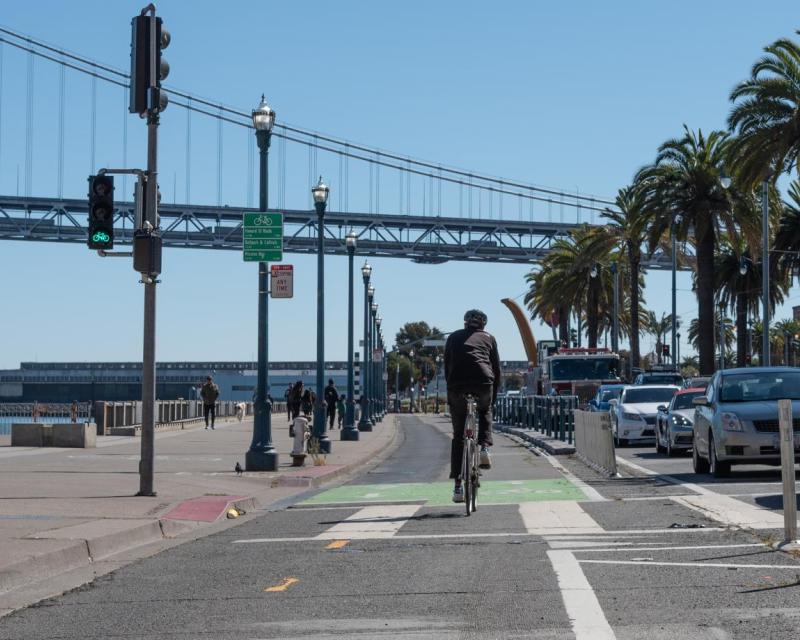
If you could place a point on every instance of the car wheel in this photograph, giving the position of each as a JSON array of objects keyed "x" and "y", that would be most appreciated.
[
  {"x": 699, "y": 464},
  {"x": 718, "y": 469}
]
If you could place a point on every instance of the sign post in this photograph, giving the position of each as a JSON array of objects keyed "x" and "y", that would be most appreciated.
[
  {"x": 262, "y": 236},
  {"x": 282, "y": 285}
]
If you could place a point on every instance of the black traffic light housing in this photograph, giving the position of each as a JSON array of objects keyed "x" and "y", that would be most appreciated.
[
  {"x": 145, "y": 89},
  {"x": 101, "y": 212},
  {"x": 665, "y": 349}
]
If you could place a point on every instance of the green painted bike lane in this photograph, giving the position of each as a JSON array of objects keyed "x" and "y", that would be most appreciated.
[{"x": 440, "y": 493}]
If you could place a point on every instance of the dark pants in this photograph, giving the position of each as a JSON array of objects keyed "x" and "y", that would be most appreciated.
[
  {"x": 210, "y": 409},
  {"x": 331, "y": 410},
  {"x": 458, "y": 414}
]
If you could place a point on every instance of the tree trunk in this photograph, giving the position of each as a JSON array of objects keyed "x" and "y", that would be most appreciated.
[
  {"x": 563, "y": 325},
  {"x": 741, "y": 328},
  {"x": 633, "y": 258},
  {"x": 592, "y": 311},
  {"x": 705, "y": 300}
]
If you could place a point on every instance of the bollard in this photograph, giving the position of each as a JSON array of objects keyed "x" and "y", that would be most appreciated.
[{"x": 785, "y": 425}]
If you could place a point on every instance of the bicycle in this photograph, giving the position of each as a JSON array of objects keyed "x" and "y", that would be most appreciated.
[{"x": 469, "y": 462}]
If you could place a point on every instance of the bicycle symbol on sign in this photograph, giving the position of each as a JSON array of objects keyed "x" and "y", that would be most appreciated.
[{"x": 263, "y": 221}]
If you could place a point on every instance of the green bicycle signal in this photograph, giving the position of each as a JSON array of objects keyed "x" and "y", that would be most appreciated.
[{"x": 100, "y": 237}]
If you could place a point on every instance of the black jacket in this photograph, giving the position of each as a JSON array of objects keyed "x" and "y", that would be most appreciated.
[
  {"x": 471, "y": 358},
  {"x": 331, "y": 395}
]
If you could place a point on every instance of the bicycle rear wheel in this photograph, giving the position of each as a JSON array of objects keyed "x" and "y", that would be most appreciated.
[{"x": 467, "y": 470}]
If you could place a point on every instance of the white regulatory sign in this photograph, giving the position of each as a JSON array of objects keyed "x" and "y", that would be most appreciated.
[{"x": 282, "y": 281}]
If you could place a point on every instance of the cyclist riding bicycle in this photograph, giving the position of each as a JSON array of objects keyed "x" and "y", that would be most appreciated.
[{"x": 471, "y": 366}]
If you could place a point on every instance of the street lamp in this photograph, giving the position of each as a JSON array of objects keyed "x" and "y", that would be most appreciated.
[
  {"x": 765, "y": 268},
  {"x": 676, "y": 222},
  {"x": 373, "y": 372},
  {"x": 397, "y": 378},
  {"x": 350, "y": 432},
  {"x": 678, "y": 351},
  {"x": 411, "y": 380},
  {"x": 363, "y": 423},
  {"x": 262, "y": 455},
  {"x": 379, "y": 366},
  {"x": 438, "y": 365},
  {"x": 721, "y": 336},
  {"x": 320, "y": 193}
]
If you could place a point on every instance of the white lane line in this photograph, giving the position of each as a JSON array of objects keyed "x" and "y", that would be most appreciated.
[
  {"x": 382, "y": 521},
  {"x": 588, "y": 545},
  {"x": 558, "y": 516},
  {"x": 731, "y": 511},
  {"x": 666, "y": 478},
  {"x": 436, "y": 536},
  {"x": 584, "y": 611},
  {"x": 687, "y": 548},
  {"x": 590, "y": 492},
  {"x": 713, "y": 565}
]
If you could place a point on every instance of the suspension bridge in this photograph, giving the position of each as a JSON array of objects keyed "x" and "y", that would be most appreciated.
[{"x": 397, "y": 205}]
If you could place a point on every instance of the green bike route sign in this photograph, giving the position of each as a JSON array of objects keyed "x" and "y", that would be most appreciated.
[{"x": 262, "y": 237}]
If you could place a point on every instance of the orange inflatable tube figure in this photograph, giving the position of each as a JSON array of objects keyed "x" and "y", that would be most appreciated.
[{"x": 528, "y": 341}]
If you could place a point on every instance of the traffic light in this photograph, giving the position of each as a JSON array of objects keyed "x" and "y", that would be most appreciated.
[
  {"x": 148, "y": 69},
  {"x": 665, "y": 350},
  {"x": 101, "y": 212}
]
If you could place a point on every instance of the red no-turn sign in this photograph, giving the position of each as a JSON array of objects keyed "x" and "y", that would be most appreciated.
[{"x": 282, "y": 280}]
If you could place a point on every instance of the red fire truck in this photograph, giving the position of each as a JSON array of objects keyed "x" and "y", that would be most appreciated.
[{"x": 578, "y": 371}]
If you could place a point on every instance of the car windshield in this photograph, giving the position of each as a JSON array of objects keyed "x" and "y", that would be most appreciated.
[
  {"x": 684, "y": 400},
  {"x": 609, "y": 394},
  {"x": 766, "y": 385},
  {"x": 662, "y": 379},
  {"x": 649, "y": 394},
  {"x": 575, "y": 368}
]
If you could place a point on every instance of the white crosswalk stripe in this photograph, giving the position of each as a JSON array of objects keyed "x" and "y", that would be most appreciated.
[
  {"x": 565, "y": 516},
  {"x": 382, "y": 521}
]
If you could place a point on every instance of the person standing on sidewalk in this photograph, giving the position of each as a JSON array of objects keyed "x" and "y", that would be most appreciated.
[
  {"x": 209, "y": 392},
  {"x": 340, "y": 409},
  {"x": 331, "y": 397},
  {"x": 287, "y": 398}
]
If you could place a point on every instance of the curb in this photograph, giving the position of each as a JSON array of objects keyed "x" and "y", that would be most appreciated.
[{"x": 551, "y": 445}]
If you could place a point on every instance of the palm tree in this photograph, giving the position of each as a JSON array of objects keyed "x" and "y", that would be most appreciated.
[
  {"x": 659, "y": 329},
  {"x": 766, "y": 113},
  {"x": 787, "y": 236},
  {"x": 684, "y": 188},
  {"x": 628, "y": 230},
  {"x": 727, "y": 331}
]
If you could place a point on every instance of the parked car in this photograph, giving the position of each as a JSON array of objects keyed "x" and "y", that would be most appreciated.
[
  {"x": 736, "y": 420},
  {"x": 698, "y": 382},
  {"x": 605, "y": 393},
  {"x": 633, "y": 415},
  {"x": 659, "y": 377},
  {"x": 674, "y": 422}
]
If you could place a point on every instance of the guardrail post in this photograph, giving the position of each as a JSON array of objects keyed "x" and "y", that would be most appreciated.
[{"x": 786, "y": 430}]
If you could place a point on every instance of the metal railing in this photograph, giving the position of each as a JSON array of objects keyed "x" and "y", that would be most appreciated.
[{"x": 551, "y": 415}]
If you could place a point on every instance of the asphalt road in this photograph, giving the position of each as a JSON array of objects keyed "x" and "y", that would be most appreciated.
[{"x": 552, "y": 552}]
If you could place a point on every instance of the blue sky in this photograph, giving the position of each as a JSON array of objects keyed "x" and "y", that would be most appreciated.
[{"x": 573, "y": 95}]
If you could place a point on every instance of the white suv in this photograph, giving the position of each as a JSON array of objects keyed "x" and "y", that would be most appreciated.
[{"x": 633, "y": 416}]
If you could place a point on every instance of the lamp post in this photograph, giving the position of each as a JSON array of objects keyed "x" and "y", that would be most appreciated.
[
  {"x": 350, "y": 432},
  {"x": 364, "y": 423},
  {"x": 320, "y": 194},
  {"x": 721, "y": 336},
  {"x": 379, "y": 367},
  {"x": 678, "y": 351},
  {"x": 411, "y": 381},
  {"x": 373, "y": 372},
  {"x": 615, "y": 323},
  {"x": 397, "y": 378},
  {"x": 765, "y": 269},
  {"x": 750, "y": 341},
  {"x": 674, "y": 233},
  {"x": 438, "y": 366},
  {"x": 262, "y": 455}
]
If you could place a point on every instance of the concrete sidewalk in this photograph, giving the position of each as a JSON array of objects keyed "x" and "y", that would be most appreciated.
[{"x": 69, "y": 515}]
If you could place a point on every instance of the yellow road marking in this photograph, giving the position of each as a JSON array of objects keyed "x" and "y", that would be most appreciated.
[
  {"x": 337, "y": 544},
  {"x": 283, "y": 585}
]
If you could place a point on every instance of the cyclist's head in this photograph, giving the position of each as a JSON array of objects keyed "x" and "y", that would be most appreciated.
[{"x": 475, "y": 319}]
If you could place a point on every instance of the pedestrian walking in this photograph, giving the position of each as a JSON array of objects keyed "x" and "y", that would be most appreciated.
[
  {"x": 73, "y": 411},
  {"x": 287, "y": 399},
  {"x": 331, "y": 398},
  {"x": 295, "y": 399},
  {"x": 209, "y": 392},
  {"x": 340, "y": 408},
  {"x": 307, "y": 403}
]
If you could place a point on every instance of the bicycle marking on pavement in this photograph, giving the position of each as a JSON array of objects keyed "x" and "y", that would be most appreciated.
[
  {"x": 382, "y": 521},
  {"x": 585, "y": 613},
  {"x": 543, "y": 518},
  {"x": 439, "y": 494}
]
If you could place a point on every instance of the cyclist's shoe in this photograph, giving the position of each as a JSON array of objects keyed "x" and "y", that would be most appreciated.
[
  {"x": 458, "y": 494},
  {"x": 485, "y": 459}
]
